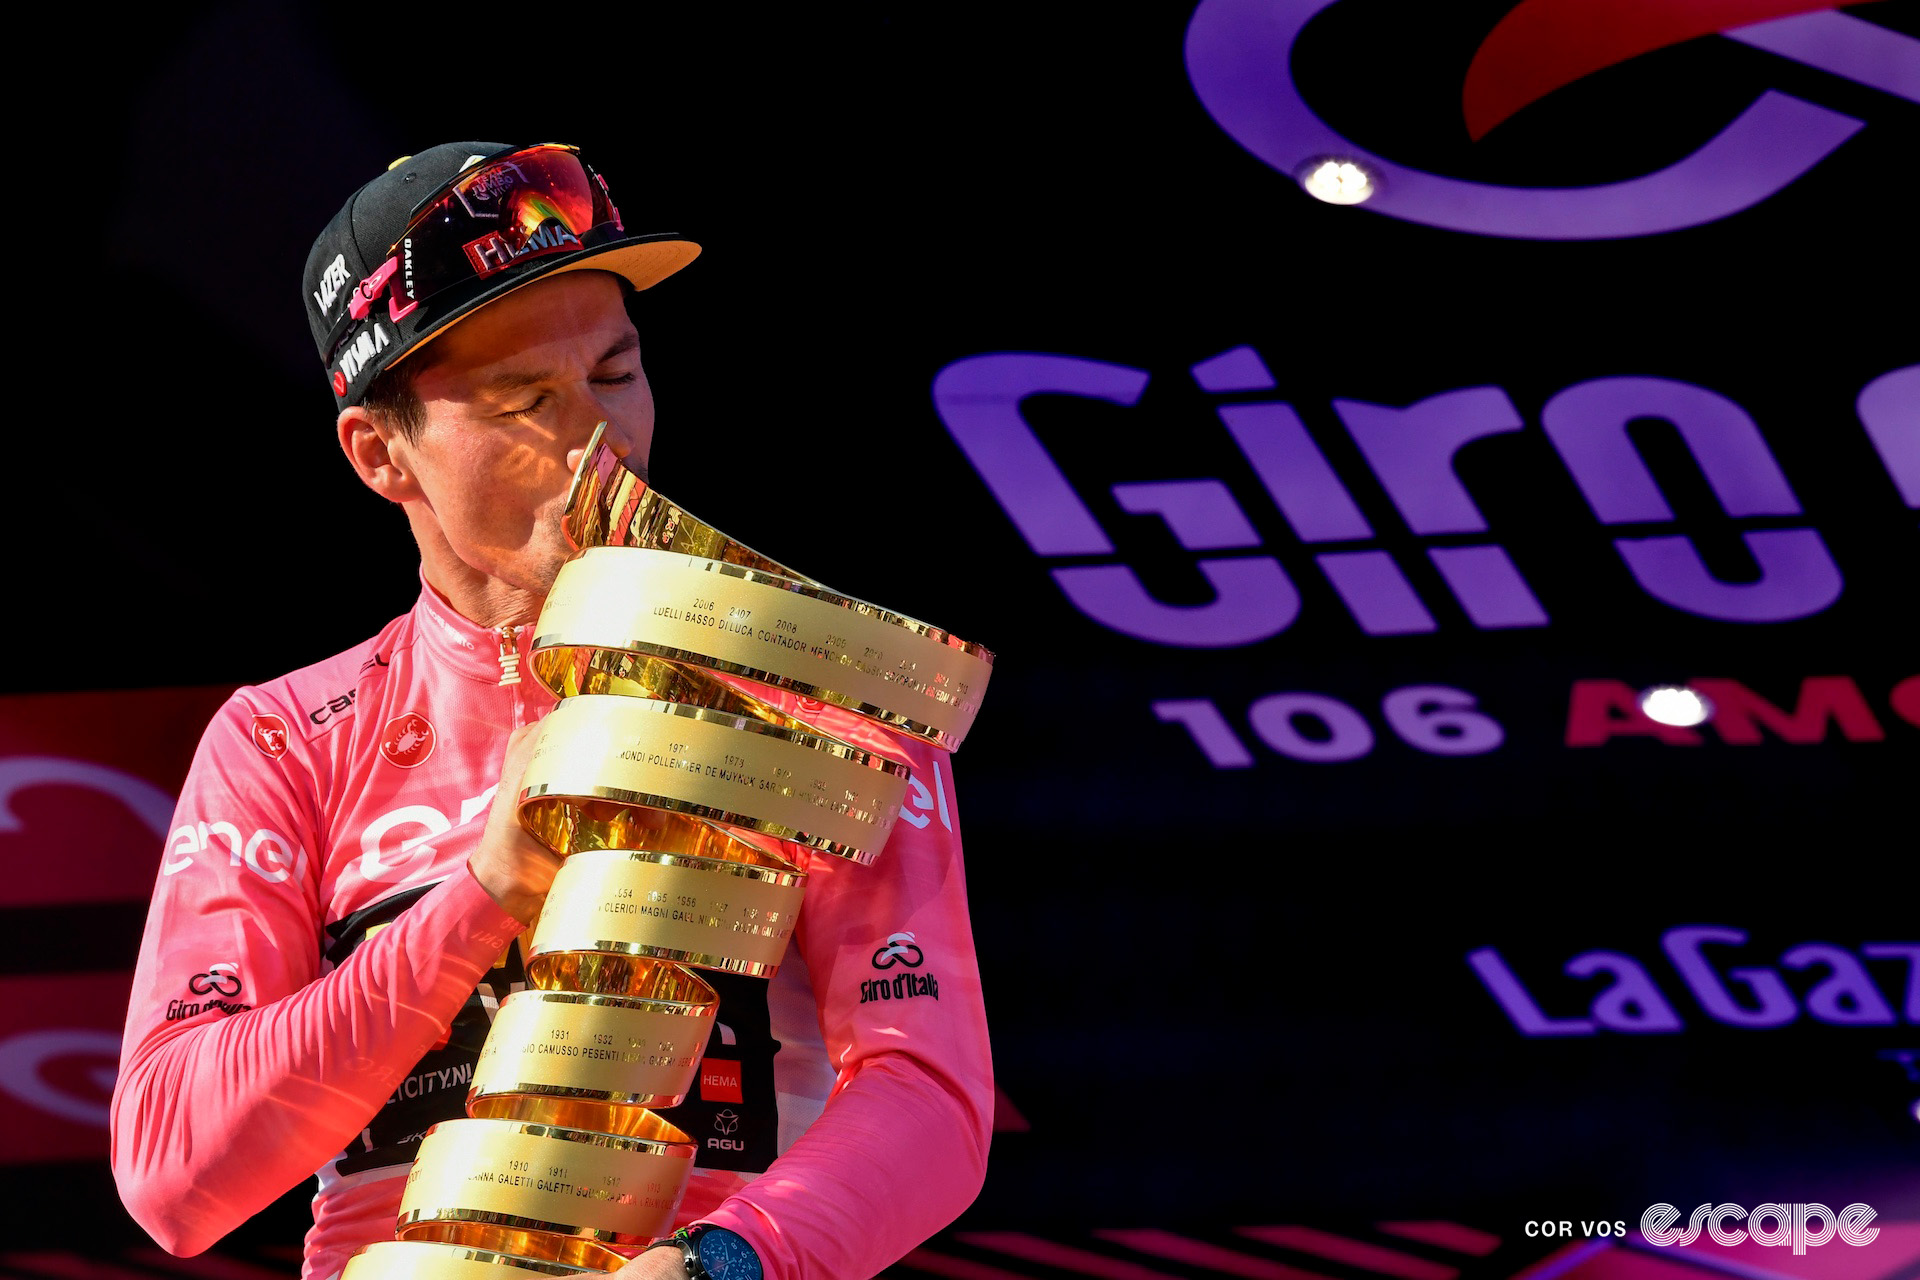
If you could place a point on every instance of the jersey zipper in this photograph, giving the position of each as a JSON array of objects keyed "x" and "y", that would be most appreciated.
[{"x": 509, "y": 656}]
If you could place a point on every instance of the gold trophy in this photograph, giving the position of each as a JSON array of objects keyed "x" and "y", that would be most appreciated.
[{"x": 676, "y": 791}]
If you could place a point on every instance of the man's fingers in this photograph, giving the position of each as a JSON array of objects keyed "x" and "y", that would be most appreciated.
[{"x": 512, "y": 765}]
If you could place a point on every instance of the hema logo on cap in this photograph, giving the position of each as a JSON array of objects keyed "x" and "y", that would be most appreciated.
[
  {"x": 493, "y": 252},
  {"x": 357, "y": 354}
]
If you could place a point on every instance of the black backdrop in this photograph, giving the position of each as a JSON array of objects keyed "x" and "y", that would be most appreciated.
[{"x": 1219, "y": 995}]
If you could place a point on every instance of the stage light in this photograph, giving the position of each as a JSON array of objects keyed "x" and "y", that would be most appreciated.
[
  {"x": 1676, "y": 705},
  {"x": 1337, "y": 181}
]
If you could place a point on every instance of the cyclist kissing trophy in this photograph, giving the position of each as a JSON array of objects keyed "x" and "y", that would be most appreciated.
[{"x": 703, "y": 749}]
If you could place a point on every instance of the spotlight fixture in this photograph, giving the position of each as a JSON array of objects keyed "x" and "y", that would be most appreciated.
[
  {"x": 1675, "y": 704},
  {"x": 1337, "y": 180}
]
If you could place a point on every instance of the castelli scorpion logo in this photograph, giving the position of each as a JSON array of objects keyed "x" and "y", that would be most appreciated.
[
  {"x": 269, "y": 734},
  {"x": 407, "y": 740}
]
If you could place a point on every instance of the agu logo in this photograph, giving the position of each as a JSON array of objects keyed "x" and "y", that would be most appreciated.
[
  {"x": 407, "y": 740},
  {"x": 1239, "y": 52},
  {"x": 269, "y": 733}
]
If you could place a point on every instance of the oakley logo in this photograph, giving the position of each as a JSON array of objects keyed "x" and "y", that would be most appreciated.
[
  {"x": 899, "y": 950},
  {"x": 1238, "y": 53},
  {"x": 332, "y": 281},
  {"x": 372, "y": 287},
  {"x": 491, "y": 252},
  {"x": 370, "y": 343},
  {"x": 219, "y": 979}
]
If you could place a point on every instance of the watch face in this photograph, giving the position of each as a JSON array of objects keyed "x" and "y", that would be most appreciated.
[{"x": 726, "y": 1256}]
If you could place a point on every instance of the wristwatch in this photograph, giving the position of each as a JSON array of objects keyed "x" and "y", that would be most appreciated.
[{"x": 714, "y": 1253}]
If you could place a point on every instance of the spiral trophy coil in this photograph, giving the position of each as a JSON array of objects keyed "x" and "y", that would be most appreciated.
[{"x": 678, "y": 797}]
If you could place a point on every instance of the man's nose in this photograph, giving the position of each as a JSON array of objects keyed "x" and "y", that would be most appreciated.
[{"x": 615, "y": 438}]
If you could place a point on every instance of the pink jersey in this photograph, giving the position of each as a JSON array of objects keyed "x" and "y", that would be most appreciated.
[{"x": 319, "y": 970}]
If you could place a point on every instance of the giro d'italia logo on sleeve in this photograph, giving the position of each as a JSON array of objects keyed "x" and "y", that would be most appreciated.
[
  {"x": 1239, "y": 54},
  {"x": 216, "y": 989},
  {"x": 269, "y": 733},
  {"x": 219, "y": 979},
  {"x": 899, "y": 950},
  {"x": 407, "y": 740}
]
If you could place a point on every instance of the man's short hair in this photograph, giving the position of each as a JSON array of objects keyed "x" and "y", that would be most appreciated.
[{"x": 392, "y": 398}]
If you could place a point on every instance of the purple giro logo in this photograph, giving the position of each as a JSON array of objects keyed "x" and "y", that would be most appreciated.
[
  {"x": 1239, "y": 55},
  {"x": 1410, "y": 451}
]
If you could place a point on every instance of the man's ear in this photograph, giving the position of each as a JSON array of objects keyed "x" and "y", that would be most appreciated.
[{"x": 378, "y": 454}]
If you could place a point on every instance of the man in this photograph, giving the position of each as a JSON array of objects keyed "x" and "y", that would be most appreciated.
[{"x": 330, "y": 928}]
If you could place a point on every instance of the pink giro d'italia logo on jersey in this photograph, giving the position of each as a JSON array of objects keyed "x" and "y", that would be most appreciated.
[
  {"x": 269, "y": 733},
  {"x": 407, "y": 740}
]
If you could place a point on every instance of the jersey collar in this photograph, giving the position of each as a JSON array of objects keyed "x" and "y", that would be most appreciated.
[{"x": 458, "y": 642}]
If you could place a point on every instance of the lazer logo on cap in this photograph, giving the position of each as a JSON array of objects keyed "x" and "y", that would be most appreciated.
[
  {"x": 332, "y": 281},
  {"x": 491, "y": 252},
  {"x": 358, "y": 353}
]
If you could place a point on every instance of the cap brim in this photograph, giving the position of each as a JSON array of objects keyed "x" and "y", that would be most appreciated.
[{"x": 642, "y": 262}]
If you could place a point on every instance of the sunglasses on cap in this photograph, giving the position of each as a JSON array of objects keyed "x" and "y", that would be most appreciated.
[{"x": 508, "y": 210}]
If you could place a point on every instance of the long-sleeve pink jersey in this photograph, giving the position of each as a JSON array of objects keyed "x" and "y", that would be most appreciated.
[{"x": 319, "y": 970}]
